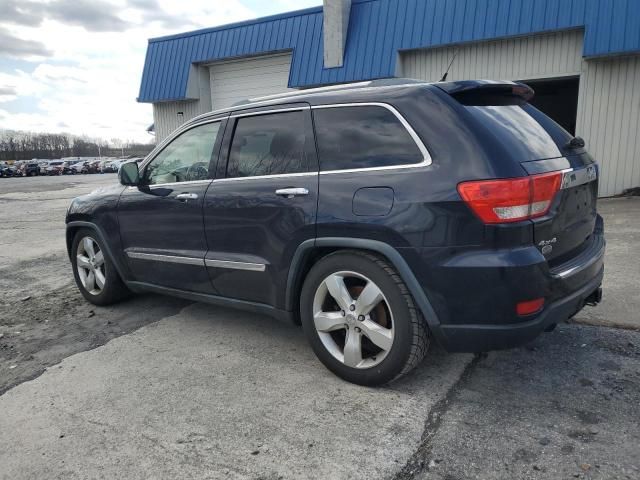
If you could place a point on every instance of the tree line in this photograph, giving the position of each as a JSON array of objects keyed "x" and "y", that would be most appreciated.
[{"x": 18, "y": 145}]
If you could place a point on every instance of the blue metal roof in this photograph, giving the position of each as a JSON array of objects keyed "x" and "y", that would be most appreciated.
[{"x": 378, "y": 29}]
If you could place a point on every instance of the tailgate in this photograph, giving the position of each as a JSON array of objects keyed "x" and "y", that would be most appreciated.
[{"x": 568, "y": 228}]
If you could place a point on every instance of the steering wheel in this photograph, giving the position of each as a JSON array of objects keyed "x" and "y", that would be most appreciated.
[{"x": 197, "y": 171}]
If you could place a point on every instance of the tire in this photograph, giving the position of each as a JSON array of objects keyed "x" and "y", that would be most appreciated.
[
  {"x": 112, "y": 290},
  {"x": 393, "y": 337}
]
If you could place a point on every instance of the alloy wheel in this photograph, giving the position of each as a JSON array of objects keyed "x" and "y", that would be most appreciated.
[
  {"x": 90, "y": 265},
  {"x": 353, "y": 319}
]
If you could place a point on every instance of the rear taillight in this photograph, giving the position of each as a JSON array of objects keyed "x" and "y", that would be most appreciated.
[{"x": 513, "y": 199}]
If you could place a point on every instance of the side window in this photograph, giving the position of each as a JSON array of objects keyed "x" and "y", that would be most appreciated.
[
  {"x": 270, "y": 144},
  {"x": 362, "y": 137},
  {"x": 186, "y": 158}
]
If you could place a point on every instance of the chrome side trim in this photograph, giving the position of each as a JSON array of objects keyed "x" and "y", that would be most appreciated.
[
  {"x": 166, "y": 258},
  {"x": 573, "y": 177},
  {"x": 579, "y": 268},
  {"x": 426, "y": 156},
  {"x": 258, "y": 177},
  {"x": 254, "y": 267}
]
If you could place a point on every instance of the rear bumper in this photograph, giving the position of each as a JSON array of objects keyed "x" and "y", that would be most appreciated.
[
  {"x": 474, "y": 293},
  {"x": 482, "y": 338}
]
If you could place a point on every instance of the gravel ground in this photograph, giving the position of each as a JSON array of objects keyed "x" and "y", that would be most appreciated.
[{"x": 195, "y": 391}]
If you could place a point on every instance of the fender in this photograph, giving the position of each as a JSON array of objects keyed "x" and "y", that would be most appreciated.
[
  {"x": 103, "y": 239},
  {"x": 384, "y": 249}
]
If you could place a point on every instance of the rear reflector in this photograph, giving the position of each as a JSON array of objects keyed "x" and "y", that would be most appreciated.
[
  {"x": 513, "y": 199},
  {"x": 529, "y": 307}
]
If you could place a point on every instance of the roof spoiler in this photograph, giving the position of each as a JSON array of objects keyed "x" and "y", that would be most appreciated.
[{"x": 488, "y": 92}]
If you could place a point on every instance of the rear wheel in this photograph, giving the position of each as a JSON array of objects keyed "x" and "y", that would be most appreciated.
[
  {"x": 361, "y": 320},
  {"x": 94, "y": 272}
]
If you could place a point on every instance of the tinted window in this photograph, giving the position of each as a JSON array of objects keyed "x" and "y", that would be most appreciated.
[
  {"x": 362, "y": 137},
  {"x": 519, "y": 131},
  {"x": 186, "y": 158},
  {"x": 271, "y": 144}
]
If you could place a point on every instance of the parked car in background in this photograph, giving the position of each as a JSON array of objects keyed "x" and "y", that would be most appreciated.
[
  {"x": 94, "y": 166},
  {"x": 80, "y": 167},
  {"x": 7, "y": 171},
  {"x": 378, "y": 218},
  {"x": 30, "y": 169},
  {"x": 55, "y": 167}
]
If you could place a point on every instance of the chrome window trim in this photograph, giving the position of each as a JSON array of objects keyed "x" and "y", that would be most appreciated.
[
  {"x": 253, "y": 267},
  {"x": 166, "y": 258},
  {"x": 426, "y": 156}
]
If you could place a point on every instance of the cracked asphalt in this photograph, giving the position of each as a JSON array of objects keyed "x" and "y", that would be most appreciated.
[{"x": 163, "y": 388}]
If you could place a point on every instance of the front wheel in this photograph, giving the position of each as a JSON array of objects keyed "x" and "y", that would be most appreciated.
[
  {"x": 94, "y": 272},
  {"x": 361, "y": 320}
]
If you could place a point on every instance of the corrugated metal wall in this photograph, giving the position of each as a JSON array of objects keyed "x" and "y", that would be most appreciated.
[
  {"x": 539, "y": 56},
  {"x": 609, "y": 119},
  {"x": 166, "y": 119},
  {"x": 609, "y": 96}
]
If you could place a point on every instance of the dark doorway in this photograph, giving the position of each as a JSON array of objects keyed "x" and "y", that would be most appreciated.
[{"x": 558, "y": 98}]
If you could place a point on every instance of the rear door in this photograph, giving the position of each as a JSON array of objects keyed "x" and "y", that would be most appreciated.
[{"x": 263, "y": 203}]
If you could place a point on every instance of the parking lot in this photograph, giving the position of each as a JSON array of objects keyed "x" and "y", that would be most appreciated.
[{"x": 164, "y": 388}]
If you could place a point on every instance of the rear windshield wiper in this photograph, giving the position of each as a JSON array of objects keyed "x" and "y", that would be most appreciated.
[{"x": 575, "y": 142}]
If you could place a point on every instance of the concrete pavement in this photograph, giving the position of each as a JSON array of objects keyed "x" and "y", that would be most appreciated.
[{"x": 213, "y": 393}]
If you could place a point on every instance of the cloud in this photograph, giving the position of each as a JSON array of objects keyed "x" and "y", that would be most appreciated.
[
  {"x": 19, "y": 13},
  {"x": 85, "y": 79},
  {"x": 92, "y": 15},
  {"x": 8, "y": 91},
  {"x": 15, "y": 47}
]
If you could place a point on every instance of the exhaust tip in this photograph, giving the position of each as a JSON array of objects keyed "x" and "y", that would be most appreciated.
[{"x": 594, "y": 298}]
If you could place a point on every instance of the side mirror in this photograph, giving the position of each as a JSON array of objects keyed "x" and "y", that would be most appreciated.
[{"x": 129, "y": 174}]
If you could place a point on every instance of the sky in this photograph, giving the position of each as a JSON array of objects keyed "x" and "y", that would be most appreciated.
[{"x": 74, "y": 66}]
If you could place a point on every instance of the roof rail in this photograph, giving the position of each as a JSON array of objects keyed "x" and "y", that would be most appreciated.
[
  {"x": 304, "y": 91},
  {"x": 388, "y": 82}
]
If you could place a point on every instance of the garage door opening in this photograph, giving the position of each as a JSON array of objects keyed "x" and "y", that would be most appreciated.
[{"x": 558, "y": 98}]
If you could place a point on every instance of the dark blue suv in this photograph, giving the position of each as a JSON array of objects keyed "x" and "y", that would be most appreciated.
[{"x": 377, "y": 215}]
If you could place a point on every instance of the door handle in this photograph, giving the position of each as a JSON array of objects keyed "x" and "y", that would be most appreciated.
[
  {"x": 185, "y": 197},
  {"x": 292, "y": 192}
]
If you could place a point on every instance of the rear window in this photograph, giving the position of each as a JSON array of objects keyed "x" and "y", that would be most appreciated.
[
  {"x": 353, "y": 137},
  {"x": 520, "y": 129}
]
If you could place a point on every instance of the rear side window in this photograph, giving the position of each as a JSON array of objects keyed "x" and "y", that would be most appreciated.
[
  {"x": 362, "y": 137},
  {"x": 272, "y": 144}
]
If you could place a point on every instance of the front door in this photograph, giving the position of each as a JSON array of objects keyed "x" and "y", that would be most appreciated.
[
  {"x": 263, "y": 204},
  {"x": 161, "y": 220}
]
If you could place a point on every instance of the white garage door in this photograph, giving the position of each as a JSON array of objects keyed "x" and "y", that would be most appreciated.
[{"x": 238, "y": 80}]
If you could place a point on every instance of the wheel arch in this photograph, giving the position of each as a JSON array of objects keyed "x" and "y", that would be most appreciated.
[
  {"x": 73, "y": 228},
  {"x": 310, "y": 251}
]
